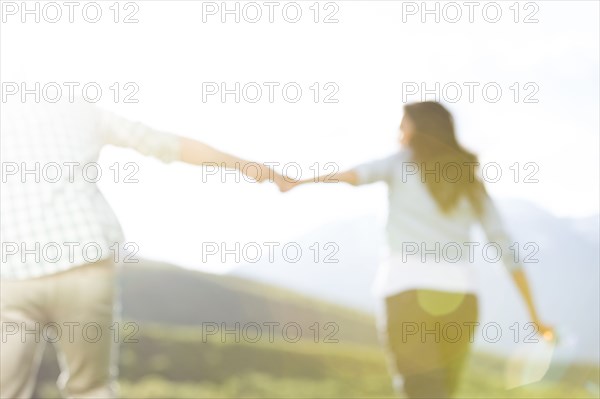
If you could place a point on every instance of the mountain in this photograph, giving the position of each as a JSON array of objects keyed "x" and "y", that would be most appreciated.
[
  {"x": 346, "y": 282},
  {"x": 565, "y": 280},
  {"x": 176, "y": 296},
  {"x": 169, "y": 356},
  {"x": 173, "y": 309}
]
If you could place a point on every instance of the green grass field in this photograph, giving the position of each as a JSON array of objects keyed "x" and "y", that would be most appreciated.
[{"x": 174, "y": 362}]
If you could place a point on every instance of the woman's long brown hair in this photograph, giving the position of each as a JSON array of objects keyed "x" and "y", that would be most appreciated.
[{"x": 440, "y": 158}]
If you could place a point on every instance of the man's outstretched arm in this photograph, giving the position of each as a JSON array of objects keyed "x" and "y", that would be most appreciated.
[
  {"x": 197, "y": 153},
  {"x": 168, "y": 147}
]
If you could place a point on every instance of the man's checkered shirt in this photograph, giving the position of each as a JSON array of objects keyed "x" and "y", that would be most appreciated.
[{"x": 40, "y": 215}]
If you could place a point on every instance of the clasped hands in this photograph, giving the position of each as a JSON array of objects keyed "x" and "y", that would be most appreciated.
[{"x": 284, "y": 183}]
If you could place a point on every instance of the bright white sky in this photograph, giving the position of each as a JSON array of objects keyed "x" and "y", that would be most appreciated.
[{"x": 368, "y": 54}]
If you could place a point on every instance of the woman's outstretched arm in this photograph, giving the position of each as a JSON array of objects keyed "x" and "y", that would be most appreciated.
[
  {"x": 349, "y": 177},
  {"x": 365, "y": 173}
]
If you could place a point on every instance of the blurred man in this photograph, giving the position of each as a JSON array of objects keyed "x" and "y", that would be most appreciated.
[{"x": 60, "y": 239}]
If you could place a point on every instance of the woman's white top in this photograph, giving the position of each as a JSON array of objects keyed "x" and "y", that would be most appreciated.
[{"x": 428, "y": 248}]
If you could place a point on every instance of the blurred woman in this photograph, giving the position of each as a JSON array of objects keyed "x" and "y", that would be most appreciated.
[{"x": 427, "y": 285}]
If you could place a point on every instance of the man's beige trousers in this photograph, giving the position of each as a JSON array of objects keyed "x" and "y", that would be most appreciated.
[{"x": 74, "y": 311}]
